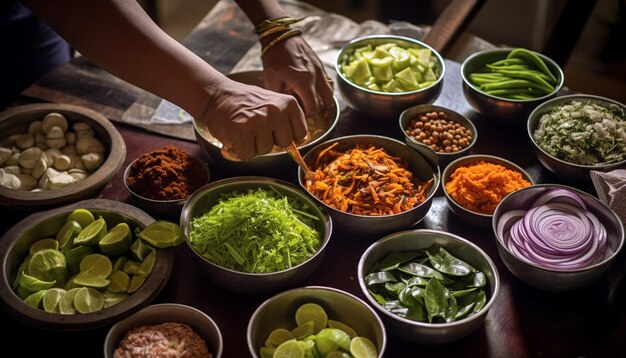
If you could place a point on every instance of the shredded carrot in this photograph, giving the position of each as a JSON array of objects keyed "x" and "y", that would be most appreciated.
[
  {"x": 480, "y": 187},
  {"x": 365, "y": 181}
]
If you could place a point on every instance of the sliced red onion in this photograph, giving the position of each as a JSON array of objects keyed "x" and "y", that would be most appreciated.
[{"x": 557, "y": 232}]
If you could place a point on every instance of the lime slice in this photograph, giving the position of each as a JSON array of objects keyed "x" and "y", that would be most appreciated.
[
  {"x": 32, "y": 284},
  {"x": 147, "y": 265},
  {"x": 48, "y": 265},
  {"x": 162, "y": 234},
  {"x": 335, "y": 337},
  {"x": 87, "y": 279},
  {"x": 88, "y": 300},
  {"x": 66, "y": 305},
  {"x": 111, "y": 298},
  {"x": 289, "y": 349},
  {"x": 337, "y": 354},
  {"x": 43, "y": 244},
  {"x": 277, "y": 337},
  {"x": 70, "y": 284},
  {"x": 131, "y": 267},
  {"x": 312, "y": 312},
  {"x": 75, "y": 256},
  {"x": 267, "y": 352},
  {"x": 303, "y": 330},
  {"x": 22, "y": 293},
  {"x": 342, "y": 326},
  {"x": 52, "y": 298},
  {"x": 139, "y": 250},
  {"x": 68, "y": 233},
  {"x": 23, "y": 267},
  {"x": 92, "y": 233},
  {"x": 119, "y": 282},
  {"x": 119, "y": 263},
  {"x": 35, "y": 299},
  {"x": 117, "y": 241},
  {"x": 361, "y": 347},
  {"x": 96, "y": 265},
  {"x": 135, "y": 283},
  {"x": 83, "y": 217}
]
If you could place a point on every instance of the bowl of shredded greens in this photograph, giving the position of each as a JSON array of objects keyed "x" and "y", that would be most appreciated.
[
  {"x": 255, "y": 234},
  {"x": 575, "y": 134}
]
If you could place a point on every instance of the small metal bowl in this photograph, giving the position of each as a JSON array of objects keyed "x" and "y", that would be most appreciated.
[
  {"x": 499, "y": 109},
  {"x": 472, "y": 217},
  {"x": 244, "y": 282},
  {"x": 385, "y": 105},
  {"x": 14, "y": 246},
  {"x": 421, "y": 161},
  {"x": 565, "y": 170},
  {"x": 410, "y": 114},
  {"x": 411, "y": 240},
  {"x": 558, "y": 280},
  {"x": 200, "y": 322},
  {"x": 268, "y": 164},
  {"x": 279, "y": 312}
]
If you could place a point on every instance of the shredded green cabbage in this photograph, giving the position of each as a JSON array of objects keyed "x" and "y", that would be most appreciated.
[
  {"x": 583, "y": 133},
  {"x": 258, "y": 231}
]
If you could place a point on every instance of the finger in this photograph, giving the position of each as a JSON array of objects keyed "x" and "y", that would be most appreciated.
[
  {"x": 308, "y": 99},
  {"x": 244, "y": 150},
  {"x": 264, "y": 142},
  {"x": 324, "y": 88},
  {"x": 298, "y": 124}
]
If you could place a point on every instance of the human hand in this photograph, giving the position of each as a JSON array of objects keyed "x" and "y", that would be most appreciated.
[
  {"x": 292, "y": 67},
  {"x": 249, "y": 120}
]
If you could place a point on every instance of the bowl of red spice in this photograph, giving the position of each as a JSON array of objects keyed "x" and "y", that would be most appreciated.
[
  {"x": 164, "y": 178},
  {"x": 474, "y": 185}
]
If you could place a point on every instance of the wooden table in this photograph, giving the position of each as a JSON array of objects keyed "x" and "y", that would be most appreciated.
[{"x": 523, "y": 322}]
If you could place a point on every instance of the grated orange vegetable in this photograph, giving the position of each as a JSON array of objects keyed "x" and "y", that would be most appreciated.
[
  {"x": 365, "y": 181},
  {"x": 480, "y": 187}
]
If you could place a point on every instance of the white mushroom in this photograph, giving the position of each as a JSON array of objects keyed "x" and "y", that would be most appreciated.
[
  {"x": 85, "y": 145},
  {"x": 54, "y": 119},
  {"x": 36, "y": 190},
  {"x": 40, "y": 138},
  {"x": 70, "y": 137},
  {"x": 25, "y": 141},
  {"x": 35, "y": 127},
  {"x": 27, "y": 171},
  {"x": 49, "y": 161},
  {"x": 13, "y": 160},
  {"x": 13, "y": 169},
  {"x": 78, "y": 174},
  {"x": 56, "y": 142},
  {"x": 42, "y": 146},
  {"x": 53, "y": 153},
  {"x": 62, "y": 162},
  {"x": 76, "y": 162},
  {"x": 69, "y": 150},
  {"x": 27, "y": 182},
  {"x": 83, "y": 129},
  {"x": 92, "y": 161},
  {"x": 5, "y": 154},
  {"x": 29, "y": 157},
  {"x": 43, "y": 181},
  {"x": 55, "y": 132},
  {"x": 61, "y": 180},
  {"x": 9, "y": 180},
  {"x": 40, "y": 167},
  {"x": 11, "y": 140}
]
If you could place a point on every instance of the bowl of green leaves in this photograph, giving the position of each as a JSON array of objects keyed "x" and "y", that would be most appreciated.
[
  {"x": 429, "y": 286},
  {"x": 255, "y": 234}
]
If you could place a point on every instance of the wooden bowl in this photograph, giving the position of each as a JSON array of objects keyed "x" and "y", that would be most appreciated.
[{"x": 16, "y": 120}]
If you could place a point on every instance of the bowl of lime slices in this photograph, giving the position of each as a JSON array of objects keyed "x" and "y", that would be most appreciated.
[{"x": 84, "y": 265}]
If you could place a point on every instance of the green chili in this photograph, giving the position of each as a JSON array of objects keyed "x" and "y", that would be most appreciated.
[{"x": 532, "y": 57}]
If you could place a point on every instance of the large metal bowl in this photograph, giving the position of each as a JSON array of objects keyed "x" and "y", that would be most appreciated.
[
  {"x": 279, "y": 312},
  {"x": 385, "y": 105},
  {"x": 14, "y": 247},
  {"x": 422, "y": 163},
  {"x": 252, "y": 283},
  {"x": 268, "y": 164},
  {"x": 565, "y": 170},
  {"x": 499, "y": 109},
  {"x": 469, "y": 216},
  {"x": 558, "y": 280},
  {"x": 202, "y": 324},
  {"x": 430, "y": 333}
]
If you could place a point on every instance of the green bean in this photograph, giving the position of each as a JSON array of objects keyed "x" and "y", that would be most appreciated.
[
  {"x": 526, "y": 75},
  {"x": 508, "y": 61},
  {"x": 532, "y": 57},
  {"x": 513, "y": 84},
  {"x": 534, "y": 72},
  {"x": 522, "y": 96},
  {"x": 510, "y": 67}
]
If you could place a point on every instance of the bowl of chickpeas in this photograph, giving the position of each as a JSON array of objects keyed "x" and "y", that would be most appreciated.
[{"x": 448, "y": 133}]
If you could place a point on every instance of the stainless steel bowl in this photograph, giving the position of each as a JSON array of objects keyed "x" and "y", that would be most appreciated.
[
  {"x": 422, "y": 162},
  {"x": 268, "y": 164},
  {"x": 430, "y": 333},
  {"x": 201, "y": 323},
  {"x": 472, "y": 217},
  {"x": 498, "y": 109},
  {"x": 555, "y": 280},
  {"x": 412, "y": 113},
  {"x": 252, "y": 283},
  {"x": 14, "y": 247},
  {"x": 279, "y": 312},
  {"x": 385, "y": 105},
  {"x": 565, "y": 170}
]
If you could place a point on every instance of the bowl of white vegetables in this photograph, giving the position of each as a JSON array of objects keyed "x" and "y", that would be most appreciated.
[{"x": 573, "y": 135}]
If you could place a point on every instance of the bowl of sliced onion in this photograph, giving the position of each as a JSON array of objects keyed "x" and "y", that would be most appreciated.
[{"x": 556, "y": 238}]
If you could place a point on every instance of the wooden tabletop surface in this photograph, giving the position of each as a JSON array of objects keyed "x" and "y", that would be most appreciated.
[{"x": 523, "y": 322}]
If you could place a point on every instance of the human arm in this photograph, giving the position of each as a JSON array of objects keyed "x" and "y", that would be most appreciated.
[
  {"x": 291, "y": 66},
  {"x": 120, "y": 37}
]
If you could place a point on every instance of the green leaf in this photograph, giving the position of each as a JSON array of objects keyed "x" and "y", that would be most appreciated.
[
  {"x": 394, "y": 288},
  {"x": 420, "y": 270},
  {"x": 444, "y": 262},
  {"x": 394, "y": 259},
  {"x": 376, "y": 278},
  {"x": 435, "y": 299}
]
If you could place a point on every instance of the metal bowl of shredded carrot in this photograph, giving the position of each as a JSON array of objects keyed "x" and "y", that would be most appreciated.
[
  {"x": 474, "y": 185},
  {"x": 372, "y": 185}
]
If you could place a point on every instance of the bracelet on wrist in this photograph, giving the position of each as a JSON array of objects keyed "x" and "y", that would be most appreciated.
[{"x": 286, "y": 35}]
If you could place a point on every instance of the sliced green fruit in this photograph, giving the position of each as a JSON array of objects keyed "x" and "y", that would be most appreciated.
[
  {"x": 135, "y": 283},
  {"x": 70, "y": 284},
  {"x": 96, "y": 265},
  {"x": 342, "y": 326},
  {"x": 43, "y": 244},
  {"x": 65, "y": 237},
  {"x": 48, "y": 265},
  {"x": 406, "y": 79},
  {"x": 361, "y": 347},
  {"x": 337, "y": 337},
  {"x": 147, "y": 265},
  {"x": 75, "y": 256},
  {"x": 23, "y": 267},
  {"x": 267, "y": 352},
  {"x": 66, "y": 305},
  {"x": 112, "y": 298},
  {"x": 120, "y": 282},
  {"x": 162, "y": 234},
  {"x": 92, "y": 233},
  {"x": 33, "y": 284},
  {"x": 35, "y": 299},
  {"x": 277, "y": 337},
  {"x": 131, "y": 267},
  {"x": 88, "y": 300},
  {"x": 312, "y": 312},
  {"x": 119, "y": 263},
  {"x": 303, "y": 330},
  {"x": 289, "y": 349},
  {"x": 52, "y": 298},
  {"x": 117, "y": 241},
  {"x": 83, "y": 217},
  {"x": 89, "y": 280},
  {"x": 139, "y": 250},
  {"x": 22, "y": 293}
]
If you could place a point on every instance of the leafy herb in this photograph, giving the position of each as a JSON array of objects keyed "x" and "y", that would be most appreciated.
[
  {"x": 429, "y": 285},
  {"x": 258, "y": 231}
]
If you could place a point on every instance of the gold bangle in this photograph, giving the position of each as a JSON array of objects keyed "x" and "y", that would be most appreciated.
[
  {"x": 284, "y": 21},
  {"x": 286, "y": 35},
  {"x": 272, "y": 30}
]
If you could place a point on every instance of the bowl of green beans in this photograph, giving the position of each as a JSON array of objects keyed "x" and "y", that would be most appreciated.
[{"x": 506, "y": 84}]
